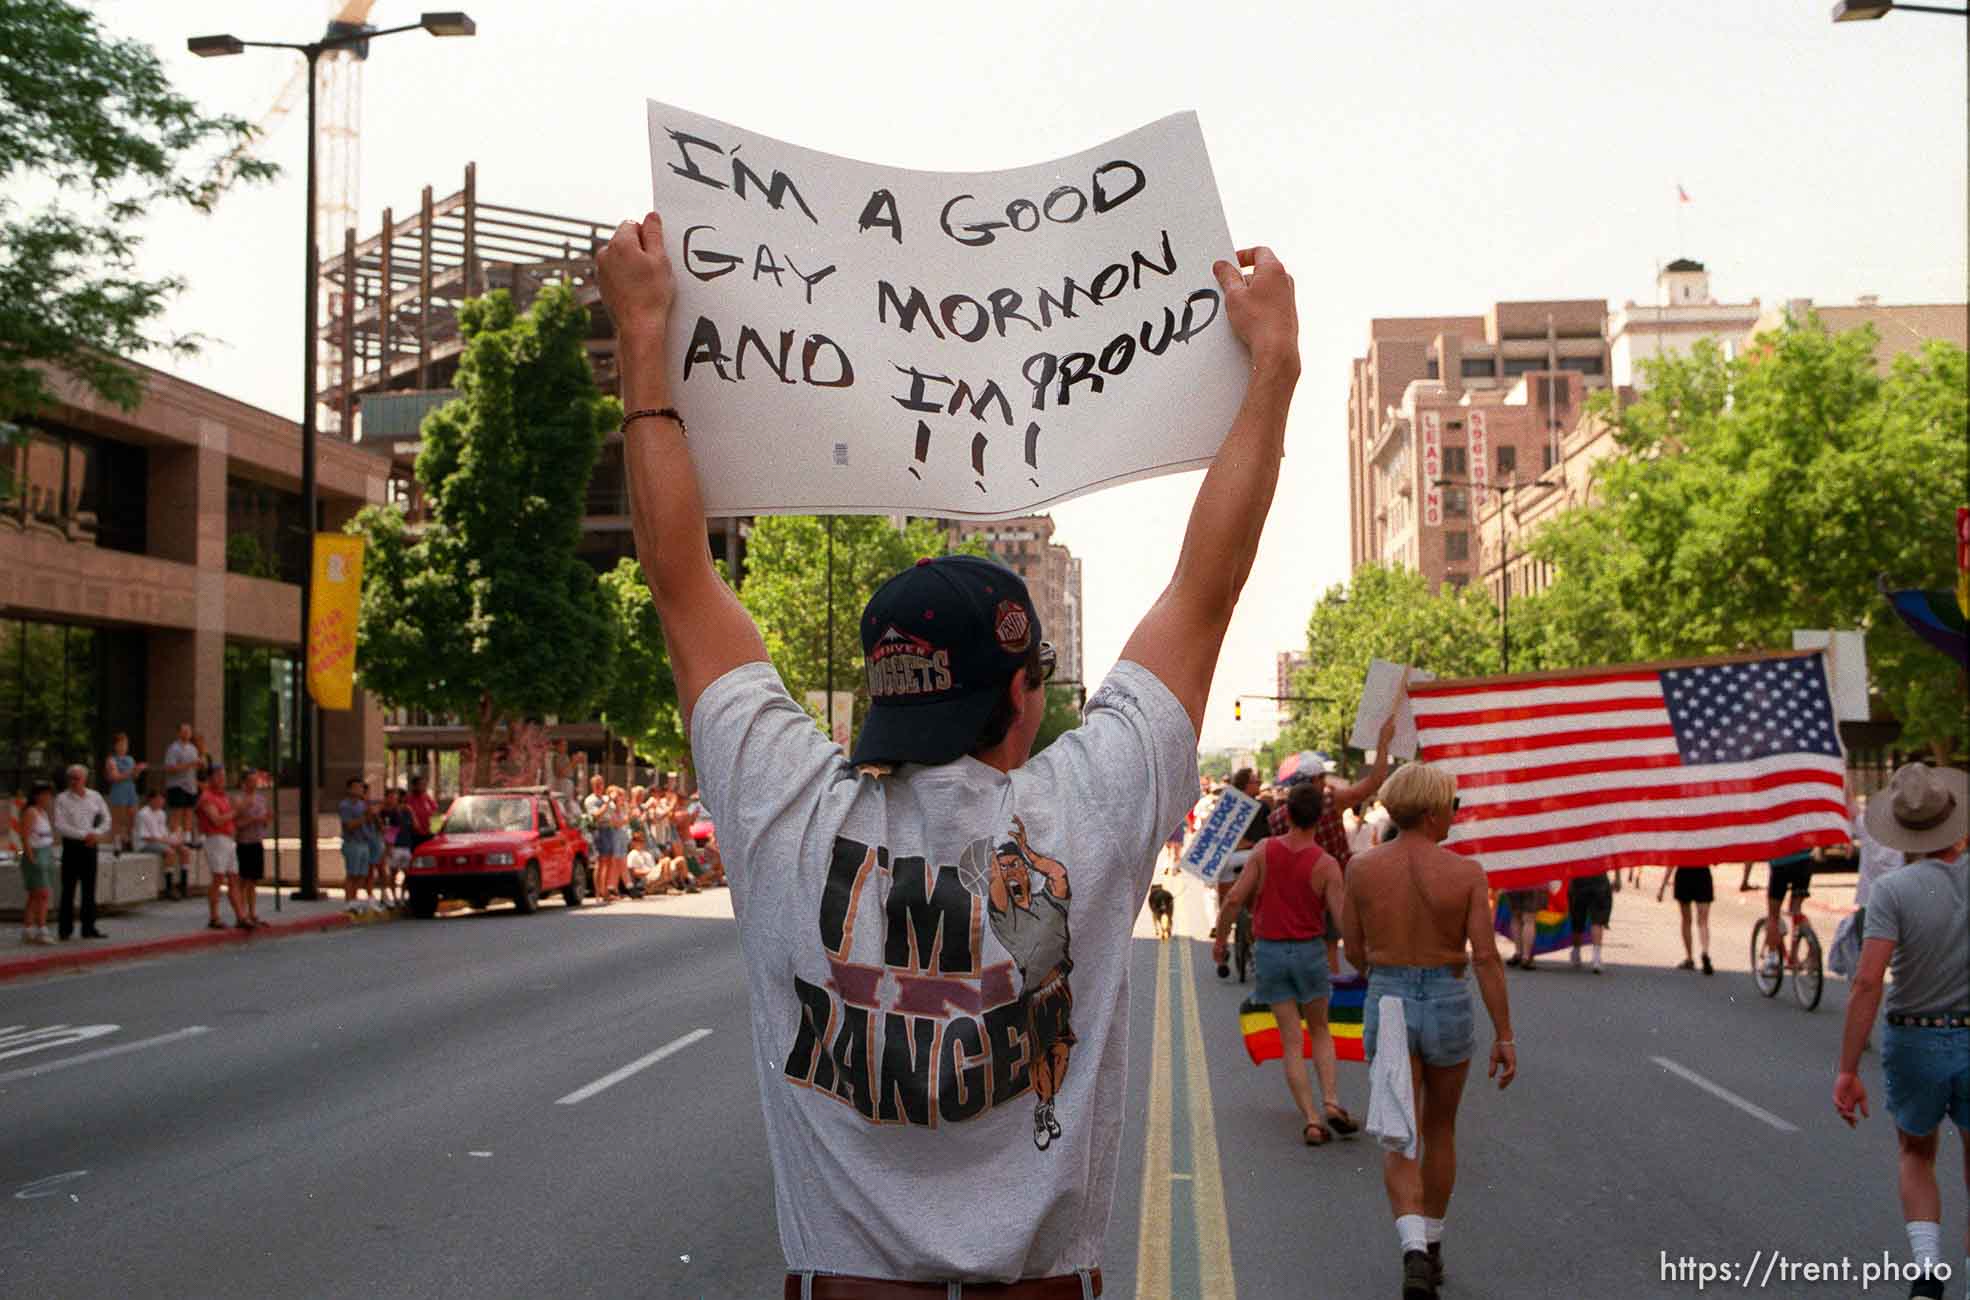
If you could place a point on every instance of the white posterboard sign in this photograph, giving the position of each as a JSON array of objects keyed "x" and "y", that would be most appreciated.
[
  {"x": 1211, "y": 847},
  {"x": 857, "y": 339},
  {"x": 1381, "y": 691},
  {"x": 1846, "y": 669}
]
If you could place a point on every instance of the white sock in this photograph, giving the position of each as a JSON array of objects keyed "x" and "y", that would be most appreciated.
[
  {"x": 1597, "y": 954},
  {"x": 1432, "y": 1230},
  {"x": 1410, "y": 1227},
  {"x": 1924, "y": 1242}
]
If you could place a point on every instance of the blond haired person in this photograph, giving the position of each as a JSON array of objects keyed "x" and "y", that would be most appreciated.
[{"x": 1415, "y": 918}]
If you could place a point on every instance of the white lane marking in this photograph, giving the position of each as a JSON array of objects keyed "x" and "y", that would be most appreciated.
[
  {"x": 103, "y": 1053},
  {"x": 1756, "y": 1112},
  {"x": 49, "y": 1186},
  {"x": 40, "y": 1040},
  {"x": 614, "y": 1077}
]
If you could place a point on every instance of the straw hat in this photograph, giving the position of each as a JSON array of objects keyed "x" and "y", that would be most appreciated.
[{"x": 1921, "y": 809}]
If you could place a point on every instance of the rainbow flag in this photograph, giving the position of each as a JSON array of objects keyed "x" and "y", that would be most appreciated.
[
  {"x": 1555, "y": 930},
  {"x": 1261, "y": 1031}
]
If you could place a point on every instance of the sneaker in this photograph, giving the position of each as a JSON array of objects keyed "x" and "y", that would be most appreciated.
[
  {"x": 1769, "y": 966},
  {"x": 1708, "y": 969},
  {"x": 1926, "y": 1288},
  {"x": 1576, "y": 959},
  {"x": 1053, "y": 1124},
  {"x": 1435, "y": 1252},
  {"x": 1685, "y": 964},
  {"x": 1041, "y": 1137},
  {"x": 1597, "y": 968},
  {"x": 1418, "y": 1279}
]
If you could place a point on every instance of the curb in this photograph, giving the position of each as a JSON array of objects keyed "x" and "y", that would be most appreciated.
[{"x": 75, "y": 958}]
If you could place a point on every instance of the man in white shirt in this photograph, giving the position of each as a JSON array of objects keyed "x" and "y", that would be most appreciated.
[
  {"x": 911, "y": 917},
  {"x": 82, "y": 822},
  {"x": 153, "y": 833}
]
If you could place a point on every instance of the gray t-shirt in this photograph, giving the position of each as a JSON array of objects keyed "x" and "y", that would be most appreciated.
[
  {"x": 890, "y": 1022},
  {"x": 182, "y": 751},
  {"x": 1925, "y": 908}
]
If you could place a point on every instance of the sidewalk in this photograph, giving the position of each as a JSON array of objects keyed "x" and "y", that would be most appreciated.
[{"x": 156, "y": 928}]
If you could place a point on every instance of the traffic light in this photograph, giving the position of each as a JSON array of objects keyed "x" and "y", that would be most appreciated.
[{"x": 1238, "y": 710}]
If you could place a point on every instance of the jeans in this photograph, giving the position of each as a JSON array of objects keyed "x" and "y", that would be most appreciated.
[{"x": 1436, "y": 1007}]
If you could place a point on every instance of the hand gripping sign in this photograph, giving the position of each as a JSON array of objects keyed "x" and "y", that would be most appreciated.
[{"x": 850, "y": 338}]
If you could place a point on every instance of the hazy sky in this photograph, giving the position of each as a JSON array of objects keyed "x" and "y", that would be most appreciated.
[{"x": 1403, "y": 158}]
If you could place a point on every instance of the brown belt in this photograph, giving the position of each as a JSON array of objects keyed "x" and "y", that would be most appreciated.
[{"x": 834, "y": 1286}]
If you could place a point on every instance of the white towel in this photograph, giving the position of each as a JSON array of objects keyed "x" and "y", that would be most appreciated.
[{"x": 1391, "y": 1090}]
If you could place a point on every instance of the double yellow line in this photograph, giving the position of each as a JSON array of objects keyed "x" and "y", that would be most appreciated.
[{"x": 1158, "y": 1275}]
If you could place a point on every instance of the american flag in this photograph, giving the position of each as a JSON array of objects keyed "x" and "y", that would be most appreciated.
[{"x": 1686, "y": 765}]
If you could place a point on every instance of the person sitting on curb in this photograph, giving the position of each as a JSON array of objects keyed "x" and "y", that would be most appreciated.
[{"x": 154, "y": 834}]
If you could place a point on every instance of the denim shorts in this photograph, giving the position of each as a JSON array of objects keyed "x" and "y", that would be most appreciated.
[
  {"x": 1290, "y": 970},
  {"x": 1436, "y": 1006},
  {"x": 355, "y": 858},
  {"x": 1928, "y": 1073}
]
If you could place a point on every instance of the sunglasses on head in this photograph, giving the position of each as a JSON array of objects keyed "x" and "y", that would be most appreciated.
[{"x": 1049, "y": 660}]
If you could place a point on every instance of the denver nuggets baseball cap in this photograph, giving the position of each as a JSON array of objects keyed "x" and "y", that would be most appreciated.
[{"x": 939, "y": 642}]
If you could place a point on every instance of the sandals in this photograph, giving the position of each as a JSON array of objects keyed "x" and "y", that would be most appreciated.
[
  {"x": 1342, "y": 1122},
  {"x": 1308, "y": 1134}
]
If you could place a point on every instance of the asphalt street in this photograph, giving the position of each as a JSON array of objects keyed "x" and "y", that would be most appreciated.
[{"x": 497, "y": 1105}]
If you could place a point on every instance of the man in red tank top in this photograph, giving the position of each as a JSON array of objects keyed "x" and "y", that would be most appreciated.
[{"x": 1291, "y": 884}]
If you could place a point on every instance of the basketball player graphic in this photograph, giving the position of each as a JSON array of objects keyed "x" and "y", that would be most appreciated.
[{"x": 1032, "y": 927}]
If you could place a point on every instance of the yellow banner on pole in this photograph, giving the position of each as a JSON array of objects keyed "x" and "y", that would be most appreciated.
[{"x": 337, "y": 594}]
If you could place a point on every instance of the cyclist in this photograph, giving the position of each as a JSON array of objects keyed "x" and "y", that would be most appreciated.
[
  {"x": 1792, "y": 874},
  {"x": 1246, "y": 782},
  {"x": 1292, "y": 884}
]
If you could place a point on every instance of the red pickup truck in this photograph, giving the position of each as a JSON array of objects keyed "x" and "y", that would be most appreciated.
[{"x": 515, "y": 844}]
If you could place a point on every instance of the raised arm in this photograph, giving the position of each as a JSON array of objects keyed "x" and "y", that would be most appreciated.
[
  {"x": 1369, "y": 786},
  {"x": 707, "y": 632},
  {"x": 1179, "y": 638}
]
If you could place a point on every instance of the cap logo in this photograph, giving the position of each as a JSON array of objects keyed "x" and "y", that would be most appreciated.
[
  {"x": 900, "y": 664},
  {"x": 1011, "y": 626}
]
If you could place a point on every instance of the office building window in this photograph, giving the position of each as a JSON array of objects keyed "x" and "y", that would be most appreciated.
[
  {"x": 1508, "y": 462},
  {"x": 63, "y": 690},
  {"x": 65, "y": 484},
  {"x": 1456, "y": 462},
  {"x": 261, "y": 684},
  {"x": 1456, "y": 503},
  {"x": 1545, "y": 457},
  {"x": 1476, "y": 368},
  {"x": 264, "y": 533},
  {"x": 1524, "y": 365},
  {"x": 1582, "y": 365},
  {"x": 1432, "y": 369},
  {"x": 1456, "y": 545}
]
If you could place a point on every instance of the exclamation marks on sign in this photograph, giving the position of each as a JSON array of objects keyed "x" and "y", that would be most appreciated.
[
  {"x": 923, "y": 448},
  {"x": 1033, "y": 450},
  {"x": 978, "y": 445}
]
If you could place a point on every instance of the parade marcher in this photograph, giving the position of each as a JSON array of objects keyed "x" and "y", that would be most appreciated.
[
  {"x": 81, "y": 819},
  {"x": 943, "y": 847},
  {"x": 1917, "y": 918},
  {"x": 37, "y": 861},
  {"x": 1523, "y": 906},
  {"x": 1292, "y": 885},
  {"x": 1696, "y": 889},
  {"x": 1589, "y": 908},
  {"x": 217, "y": 826},
  {"x": 1791, "y": 874},
  {"x": 1416, "y": 917}
]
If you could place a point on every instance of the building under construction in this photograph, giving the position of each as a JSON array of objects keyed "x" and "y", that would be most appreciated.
[{"x": 390, "y": 343}]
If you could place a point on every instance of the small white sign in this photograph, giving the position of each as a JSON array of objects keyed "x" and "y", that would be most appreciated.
[
  {"x": 1211, "y": 847},
  {"x": 1381, "y": 692}
]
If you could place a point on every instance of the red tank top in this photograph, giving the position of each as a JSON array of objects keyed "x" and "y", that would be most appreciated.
[{"x": 1289, "y": 908}]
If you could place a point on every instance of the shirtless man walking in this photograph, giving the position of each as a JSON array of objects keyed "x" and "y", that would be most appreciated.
[{"x": 1415, "y": 917}]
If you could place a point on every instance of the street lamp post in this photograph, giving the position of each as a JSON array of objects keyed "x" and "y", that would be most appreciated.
[
  {"x": 208, "y": 47},
  {"x": 1504, "y": 491}
]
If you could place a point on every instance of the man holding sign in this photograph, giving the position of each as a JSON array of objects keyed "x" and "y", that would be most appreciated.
[{"x": 894, "y": 1026}]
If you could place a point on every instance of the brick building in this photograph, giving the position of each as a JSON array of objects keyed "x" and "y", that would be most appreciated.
[{"x": 150, "y": 563}]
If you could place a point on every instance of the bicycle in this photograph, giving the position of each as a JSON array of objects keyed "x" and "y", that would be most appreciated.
[
  {"x": 1804, "y": 960},
  {"x": 1241, "y": 944}
]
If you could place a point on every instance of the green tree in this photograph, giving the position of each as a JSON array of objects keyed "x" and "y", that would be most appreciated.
[
  {"x": 1386, "y": 613},
  {"x": 639, "y": 701},
  {"x": 93, "y": 120},
  {"x": 1755, "y": 495},
  {"x": 484, "y": 610},
  {"x": 1062, "y": 716},
  {"x": 786, "y": 589}
]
